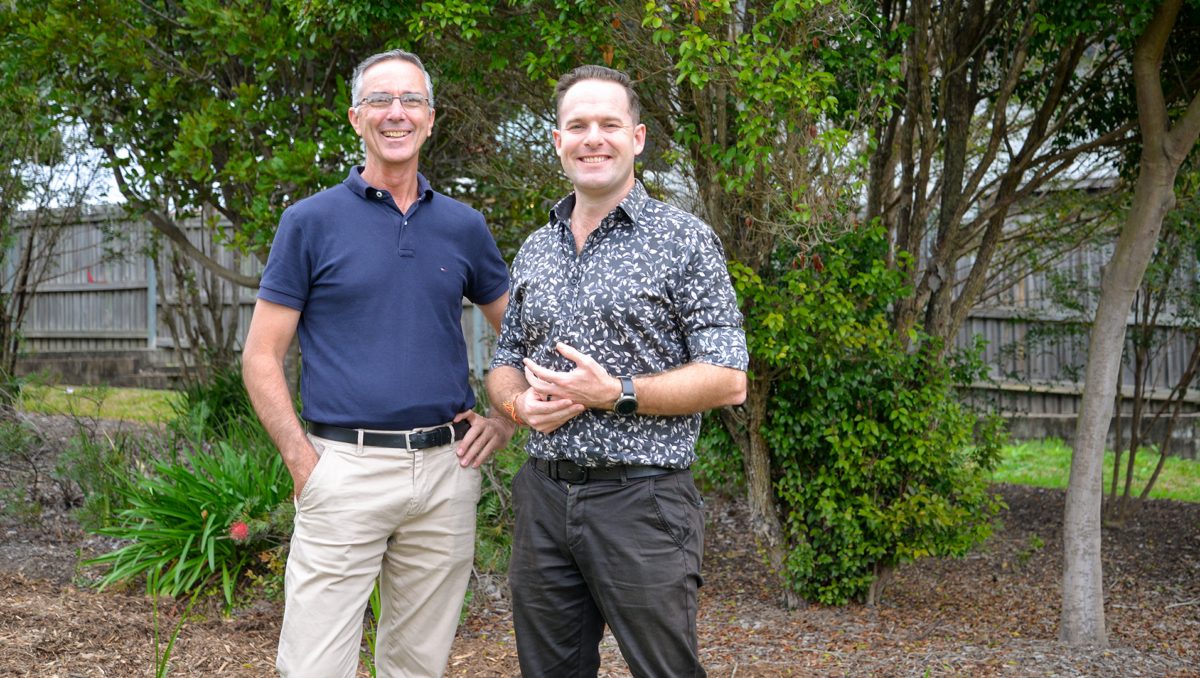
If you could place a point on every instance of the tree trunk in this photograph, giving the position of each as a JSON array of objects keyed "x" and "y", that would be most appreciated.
[
  {"x": 884, "y": 574},
  {"x": 760, "y": 490},
  {"x": 1110, "y": 509},
  {"x": 1082, "y": 588},
  {"x": 1164, "y": 147},
  {"x": 1120, "y": 519}
]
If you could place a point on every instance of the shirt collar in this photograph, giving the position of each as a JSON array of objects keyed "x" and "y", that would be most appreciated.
[
  {"x": 632, "y": 204},
  {"x": 355, "y": 183}
]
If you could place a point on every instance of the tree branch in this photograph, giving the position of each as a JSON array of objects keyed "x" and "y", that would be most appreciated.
[
  {"x": 168, "y": 228},
  {"x": 1147, "y": 59},
  {"x": 1184, "y": 132}
]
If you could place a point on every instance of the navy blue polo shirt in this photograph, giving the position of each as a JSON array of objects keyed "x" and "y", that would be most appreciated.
[{"x": 380, "y": 300}]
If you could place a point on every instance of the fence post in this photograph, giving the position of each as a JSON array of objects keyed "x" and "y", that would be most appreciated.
[
  {"x": 477, "y": 321},
  {"x": 151, "y": 304}
]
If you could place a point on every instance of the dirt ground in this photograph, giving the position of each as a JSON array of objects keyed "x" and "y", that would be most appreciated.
[{"x": 994, "y": 613}]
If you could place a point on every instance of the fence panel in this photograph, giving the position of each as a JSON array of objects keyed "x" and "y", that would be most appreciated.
[{"x": 104, "y": 295}]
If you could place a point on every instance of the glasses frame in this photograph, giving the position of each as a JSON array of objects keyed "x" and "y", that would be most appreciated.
[{"x": 410, "y": 96}]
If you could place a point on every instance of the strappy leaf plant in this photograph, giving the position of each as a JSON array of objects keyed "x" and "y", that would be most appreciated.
[{"x": 201, "y": 519}]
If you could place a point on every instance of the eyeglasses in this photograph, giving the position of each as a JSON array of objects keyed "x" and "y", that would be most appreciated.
[{"x": 380, "y": 100}]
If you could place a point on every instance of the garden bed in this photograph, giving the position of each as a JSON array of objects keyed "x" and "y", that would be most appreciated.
[{"x": 993, "y": 613}]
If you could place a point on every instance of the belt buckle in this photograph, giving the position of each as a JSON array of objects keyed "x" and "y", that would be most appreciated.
[{"x": 408, "y": 441}]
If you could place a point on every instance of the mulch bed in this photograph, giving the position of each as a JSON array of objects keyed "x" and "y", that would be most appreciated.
[{"x": 994, "y": 613}]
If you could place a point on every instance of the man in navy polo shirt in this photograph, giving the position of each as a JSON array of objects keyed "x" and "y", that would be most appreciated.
[{"x": 372, "y": 274}]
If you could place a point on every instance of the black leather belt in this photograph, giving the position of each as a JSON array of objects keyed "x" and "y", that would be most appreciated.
[
  {"x": 561, "y": 469},
  {"x": 405, "y": 440}
]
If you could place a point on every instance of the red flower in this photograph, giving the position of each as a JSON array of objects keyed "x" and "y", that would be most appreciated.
[{"x": 239, "y": 531}]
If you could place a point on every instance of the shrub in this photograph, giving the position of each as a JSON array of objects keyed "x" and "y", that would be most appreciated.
[
  {"x": 874, "y": 462},
  {"x": 494, "y": 515},
  {"x": 212, "y": 408},
  {"x": 20, "y": 471},
  {"x": 203, "y": 518},
  {"x": 99, "y": 466},
  {"x": 878, "y": 466}
]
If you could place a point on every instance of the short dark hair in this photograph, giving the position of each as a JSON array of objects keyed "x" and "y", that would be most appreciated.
[{"x": 590, "y": 72}]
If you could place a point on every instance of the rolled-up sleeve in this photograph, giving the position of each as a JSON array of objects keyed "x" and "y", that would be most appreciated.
[{"x": 708, "y": 308}]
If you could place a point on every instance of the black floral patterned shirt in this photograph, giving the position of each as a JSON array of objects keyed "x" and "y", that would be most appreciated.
[{"x": 649, "y": 292}]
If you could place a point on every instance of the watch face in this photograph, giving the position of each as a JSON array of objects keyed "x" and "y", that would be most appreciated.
[{"x": 625, "y": 406}]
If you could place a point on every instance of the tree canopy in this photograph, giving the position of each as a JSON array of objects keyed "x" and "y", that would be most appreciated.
[{"x": 202, "y": 102}]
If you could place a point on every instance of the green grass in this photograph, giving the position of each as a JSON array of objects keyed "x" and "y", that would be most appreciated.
[
  {"x": 134, "y": 404},
  {"x": 1047, "y": 463}
]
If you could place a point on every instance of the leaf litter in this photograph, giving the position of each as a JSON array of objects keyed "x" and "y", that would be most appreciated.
[{"x": 993, "y": 613}]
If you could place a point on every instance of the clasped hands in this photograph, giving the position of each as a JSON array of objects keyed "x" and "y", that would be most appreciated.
[{"x": 554, "y": 398}]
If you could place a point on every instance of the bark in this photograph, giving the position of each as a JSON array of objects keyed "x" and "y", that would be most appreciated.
[
  {"x": 1165, "y": 145},
  {"x": 958, "y": 103},
  {"x": 884, "y": 574},
  {"x": 914, "y": 168},
  {"x": 1118, "y": 452},
  {"x": 881, "y": 166},
  {"x": 760, "y": 489}
]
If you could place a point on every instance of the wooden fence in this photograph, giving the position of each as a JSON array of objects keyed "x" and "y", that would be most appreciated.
[
  {"x": 105, "y": 299},
  {"x": 1030, "y": 374}
]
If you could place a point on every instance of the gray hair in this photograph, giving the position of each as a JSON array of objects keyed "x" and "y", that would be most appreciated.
[{"x": 390, "y": 55}]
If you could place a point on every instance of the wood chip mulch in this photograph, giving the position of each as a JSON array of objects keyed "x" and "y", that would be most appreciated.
[{"x": 994, "y": 613}]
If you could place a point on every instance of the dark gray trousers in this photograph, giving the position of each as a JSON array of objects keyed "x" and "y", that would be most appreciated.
[{"x": 622, "y": 553}]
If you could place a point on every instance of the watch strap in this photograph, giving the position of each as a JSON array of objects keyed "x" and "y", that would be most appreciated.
[{"x": 627, "y": 403}]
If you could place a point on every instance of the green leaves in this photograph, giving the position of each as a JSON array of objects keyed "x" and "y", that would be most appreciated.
[
  {"x": 222, "y": 102},
  {"x": 180, "y": 514},
  {"x": 875, "y": 461}
]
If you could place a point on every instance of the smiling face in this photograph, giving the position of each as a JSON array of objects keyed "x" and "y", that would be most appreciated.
[
  {"x": 393, "y": 136},
  {"x": 597, "y": 140}
]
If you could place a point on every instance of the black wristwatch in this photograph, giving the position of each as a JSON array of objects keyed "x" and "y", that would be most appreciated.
[{"x": 627, "y": 403}]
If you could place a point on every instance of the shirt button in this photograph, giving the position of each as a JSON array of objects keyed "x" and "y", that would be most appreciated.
[{"x": 378, "y": 194}]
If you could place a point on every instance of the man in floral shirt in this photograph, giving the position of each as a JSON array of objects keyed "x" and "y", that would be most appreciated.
[{"x": 622, "y": 326}]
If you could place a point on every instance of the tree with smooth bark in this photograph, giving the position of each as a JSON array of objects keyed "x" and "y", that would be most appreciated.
[{"x": 1168, "y": 136}]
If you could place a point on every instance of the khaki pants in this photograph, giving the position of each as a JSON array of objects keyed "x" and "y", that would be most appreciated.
[{"x": 366, "y": 511}]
